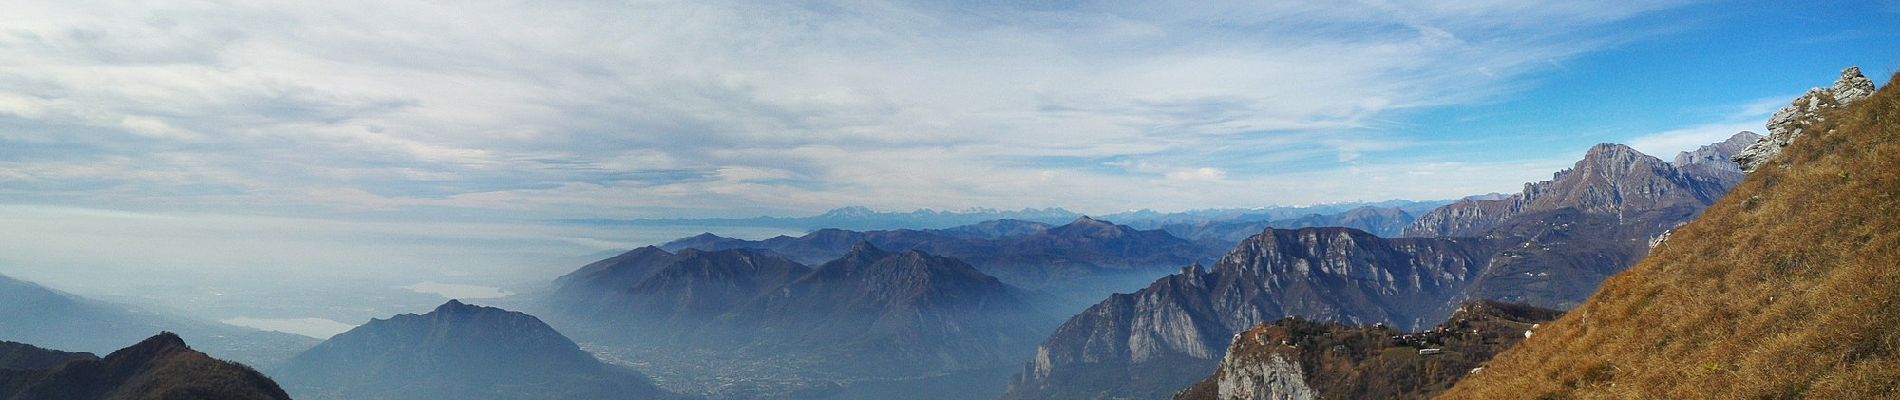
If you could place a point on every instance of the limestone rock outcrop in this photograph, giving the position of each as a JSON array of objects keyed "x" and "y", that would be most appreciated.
[{"x": 1790, "y": 122}]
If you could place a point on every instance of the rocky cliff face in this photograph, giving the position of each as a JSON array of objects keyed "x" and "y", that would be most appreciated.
[
  {"x": 1717, "y": 159},
  {"x": 1261, "y": 375},
  {"x": 1790, "y": 122},
  {"x": 160, "y": 367},
  {"x": 1146, "y": 344},
  {"x": 1299, "y": 359}
]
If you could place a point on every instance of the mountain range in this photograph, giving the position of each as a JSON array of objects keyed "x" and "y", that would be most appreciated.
[
  {"x": 869, "y": 313},
  {"x": 1381, "y": 221},
  {"x": 1550, "y": 246},
  {"x": 864, "y": 218},
  {"x": 1076, "y": 263}
]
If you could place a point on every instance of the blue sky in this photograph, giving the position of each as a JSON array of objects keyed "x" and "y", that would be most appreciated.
[{"x": 525, "y": 111}]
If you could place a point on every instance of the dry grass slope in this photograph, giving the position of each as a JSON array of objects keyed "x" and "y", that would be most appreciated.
[{"x": 1787, "y": 288}]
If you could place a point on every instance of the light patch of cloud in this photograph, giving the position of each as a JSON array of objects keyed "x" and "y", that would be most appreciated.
[
  {"x": 1203, "y": 174},
  {"x": 1751, "y": 116},
  {"x": 1666, "y": 144}
]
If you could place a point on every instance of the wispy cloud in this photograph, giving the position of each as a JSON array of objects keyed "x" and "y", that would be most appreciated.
[
  {"x": 1751, "y": 116},
  {"x": 651, "y": 108}
]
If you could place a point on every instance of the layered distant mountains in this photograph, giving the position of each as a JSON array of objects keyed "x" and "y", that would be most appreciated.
[
  {"x": 1079, "y": 262},
  {"x": 459, "y": 351},
  {"x": 46, "y": 317},
  {"x": 1549, "y": 246},
  {"x": 160, "y": 367},
  {"x": 870, "y": 312},
  {"x": 862, "y": 218}
]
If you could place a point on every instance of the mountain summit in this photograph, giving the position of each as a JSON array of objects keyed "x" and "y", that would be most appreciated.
[{"x": 458, "y": 351}]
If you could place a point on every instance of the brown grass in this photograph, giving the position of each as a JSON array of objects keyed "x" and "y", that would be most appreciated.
[{"x": 1785, "y": 289}]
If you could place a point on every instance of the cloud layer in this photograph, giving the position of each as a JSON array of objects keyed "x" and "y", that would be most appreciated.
[{"x": 645, "y": 109}]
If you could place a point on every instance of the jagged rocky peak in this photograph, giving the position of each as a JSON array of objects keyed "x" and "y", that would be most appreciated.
[
  {"x": 1614, "y": 178},
  {"x": 1790, "y": 122},
  {"x": 1614, "y": 160},
  {"x": 1718, "y": 156}
]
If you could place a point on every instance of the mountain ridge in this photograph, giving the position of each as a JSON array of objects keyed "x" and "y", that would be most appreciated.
[
  {"x": 1549, "y": 246},
  {"x": 159, "y": 367}
]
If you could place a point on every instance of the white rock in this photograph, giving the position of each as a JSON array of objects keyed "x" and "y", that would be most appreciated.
[{"x": 1790, "y": 122}]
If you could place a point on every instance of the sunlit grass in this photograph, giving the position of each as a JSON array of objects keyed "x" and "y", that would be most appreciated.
[{"x": 1784, "y": 289}]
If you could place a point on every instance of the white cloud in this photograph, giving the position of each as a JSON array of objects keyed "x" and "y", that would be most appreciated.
[
  {"x": 1198, "y": 174},
  {"x": 661, "y": 108},
  {"x": 1750, "y": 116},
  {"x": 1666, "y": 144}
]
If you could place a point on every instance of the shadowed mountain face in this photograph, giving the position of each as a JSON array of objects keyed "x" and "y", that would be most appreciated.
[
  {"x": 1300, "y": 359},
  {"x": 1549, "y": 246},
  {"x": 652, "y": 287},
  {"x": 458, "y": 351},
  {"x": 25, "y": 356},
  {"x": 161, "y": 367},
  {"x": 878, "y": 311},
  {"x": 868, "y": 313},
  {"x": 45, "y": 317},
  {"x": 1786, "y": 289}
]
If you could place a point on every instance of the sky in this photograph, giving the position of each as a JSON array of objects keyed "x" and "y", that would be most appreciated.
[{"x": 235, "y": 134}]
